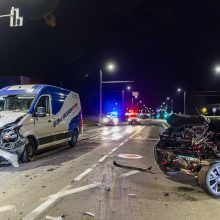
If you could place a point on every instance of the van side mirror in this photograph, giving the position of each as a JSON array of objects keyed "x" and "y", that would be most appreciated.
[{"x": 41, "y": 112}]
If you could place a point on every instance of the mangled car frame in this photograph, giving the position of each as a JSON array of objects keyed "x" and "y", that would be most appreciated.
[{"x": 192, "y": 144}]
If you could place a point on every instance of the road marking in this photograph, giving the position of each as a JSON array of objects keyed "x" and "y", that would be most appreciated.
[
  {"x": 103, "y": 158},
  {"x": 135, "y": 133},
  {"x": 67, "y": 187},
  {"x": 164, "y": 126},
  {"x": 76, "y": 190},
  {"x": 94, "y": 165},
  {"x": 7, "y": 208},
  {"x": 55, "y": 199},
  {"x": 80, "y": 176},
  {"x": 113, "y": 150},
  {"x": 129, "y": 173},
  {"x": 147, "y": 139}
]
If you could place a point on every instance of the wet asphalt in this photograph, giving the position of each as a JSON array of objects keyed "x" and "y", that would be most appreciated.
[{"x": 109, "y": 191}]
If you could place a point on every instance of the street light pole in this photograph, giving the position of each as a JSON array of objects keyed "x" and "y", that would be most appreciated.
[
  {"x": 184, "y": 99},
  {"x": 171, "y": 106},
  {"x": 100, "y": 97},
  {"x": 123, "y": 100}
]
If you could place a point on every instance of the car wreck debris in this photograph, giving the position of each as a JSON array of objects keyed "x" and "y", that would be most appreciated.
[
  {"x": 12, "y": 145},
  {"x": 192, "y": 144}
]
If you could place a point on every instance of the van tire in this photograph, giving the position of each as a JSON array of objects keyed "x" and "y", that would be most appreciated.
[
  {"x": 28, "y": 154},
  {"x": 74, "y": 138}
]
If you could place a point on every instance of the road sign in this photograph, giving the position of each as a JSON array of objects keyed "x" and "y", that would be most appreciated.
[
  {"x": 15, "y": 19},
  {"x": 214, "y": 110},
  {"x": 135, "y": 93}
]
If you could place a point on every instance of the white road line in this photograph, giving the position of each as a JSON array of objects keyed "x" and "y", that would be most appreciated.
[
  {"x": 67, "y": 187},
  {"x": 116, "y": 148},
  {"x": 76, "y": 190},
  {"x": 136, "y": 133},
  {"x": 7, "y": 208},
  {"x": 164, "y": 126},
  {"x": 129, "y": 173},
  {"x": 152, "y": 139},
  {"x": 56, "y": 198},
  {"x": 147, "y": 139},
  {"x": 94, "y": 165},
  {"x": 80, "y": 176},
  {"x": 103, "y": 158}
]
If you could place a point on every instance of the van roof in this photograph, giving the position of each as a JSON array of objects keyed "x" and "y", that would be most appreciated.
[{"x": 29, "y": 89}]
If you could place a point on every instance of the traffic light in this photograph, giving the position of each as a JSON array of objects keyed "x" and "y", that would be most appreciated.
[
  {"x": 204, "y": 110},
  {"x": 15, "y": 19}
]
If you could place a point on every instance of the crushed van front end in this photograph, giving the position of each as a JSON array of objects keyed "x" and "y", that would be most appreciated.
[{"x": 12, "y": 145}]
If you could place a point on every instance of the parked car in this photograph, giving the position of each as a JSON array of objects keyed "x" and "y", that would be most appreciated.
[{"x": 37, "y": 116}]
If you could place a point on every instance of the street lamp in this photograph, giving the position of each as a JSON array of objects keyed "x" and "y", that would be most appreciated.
[
  {"x": 171, "y": 107},
  {"x": 184, "y": 99},
  {"x": 217, "y": 69},
  {"x": 110, "y": 67},
  {"x": 128, "y": 88}
]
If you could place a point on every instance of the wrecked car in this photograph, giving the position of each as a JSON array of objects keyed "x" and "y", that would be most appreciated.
[
  {"x": 33, "y": 117},
  {"x": 192, "y": 144}
]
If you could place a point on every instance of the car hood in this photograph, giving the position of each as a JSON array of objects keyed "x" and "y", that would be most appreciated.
[{"x": 7, "y": 117}]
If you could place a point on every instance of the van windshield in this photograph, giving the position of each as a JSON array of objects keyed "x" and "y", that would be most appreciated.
[{"x": 17, "y": 103}]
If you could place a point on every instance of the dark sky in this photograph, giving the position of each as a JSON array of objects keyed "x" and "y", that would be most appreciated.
[{"x": 159, "y": 44}]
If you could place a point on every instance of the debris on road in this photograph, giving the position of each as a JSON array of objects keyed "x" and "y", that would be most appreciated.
[
  {"x": 132, "y": 195},
  {"x": 89, "y": 214},
  {"x": 108, "y": 189},
  {"x": 134, "y": 168},
  {"x": 52, "y": 169},
  {"x": 166, "y": 194},
  {"x": 54, "y": 218}
]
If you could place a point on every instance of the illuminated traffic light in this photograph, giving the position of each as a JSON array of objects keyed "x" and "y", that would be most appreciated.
[{"x": 204, "y": 110}]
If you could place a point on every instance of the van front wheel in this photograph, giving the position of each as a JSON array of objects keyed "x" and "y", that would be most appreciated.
[
  {"x": 28, "y": 154},
  {"x": 74, "y": 139}
]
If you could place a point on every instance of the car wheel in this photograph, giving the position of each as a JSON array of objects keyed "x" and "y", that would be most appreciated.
[
  {"x": 28, "y": 154},
  {"x": 209, "y": 179},
  {"x": 74, "y": 139}
]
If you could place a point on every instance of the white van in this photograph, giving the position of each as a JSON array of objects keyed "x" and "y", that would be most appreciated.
[{"x": 34, "y": 117}]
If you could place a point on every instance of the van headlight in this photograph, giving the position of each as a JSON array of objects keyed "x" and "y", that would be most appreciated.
[
  {"x": 129, "y": 119},
  {"x": 115, "y": 120},
  {"x": 10, "y": 134},
  {"x": 105, "y": 120},
  {"x": 138, "y": 119}
]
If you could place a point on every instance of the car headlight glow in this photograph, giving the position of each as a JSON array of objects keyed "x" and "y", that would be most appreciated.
[
  {"x": 129, "y": 119},
  {"x": 115, "y": 120},
  {"x": 105, "y": 120},
  {"x": 138, "y": 119}
]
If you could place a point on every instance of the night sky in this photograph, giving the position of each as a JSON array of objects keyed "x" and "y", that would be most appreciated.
[{"x": 160, "y": 44}]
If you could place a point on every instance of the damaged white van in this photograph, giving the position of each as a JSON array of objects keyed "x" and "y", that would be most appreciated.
[{"x": 33, "y": 117}]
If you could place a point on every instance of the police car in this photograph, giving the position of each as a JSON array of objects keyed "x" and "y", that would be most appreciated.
[{"x": 111, "y": 119}]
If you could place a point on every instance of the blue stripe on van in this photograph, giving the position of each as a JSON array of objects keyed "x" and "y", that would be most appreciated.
[{"x": 75, "y": 122}]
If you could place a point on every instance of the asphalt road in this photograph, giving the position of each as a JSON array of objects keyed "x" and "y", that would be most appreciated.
[{"x": 81, "y": 182}]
